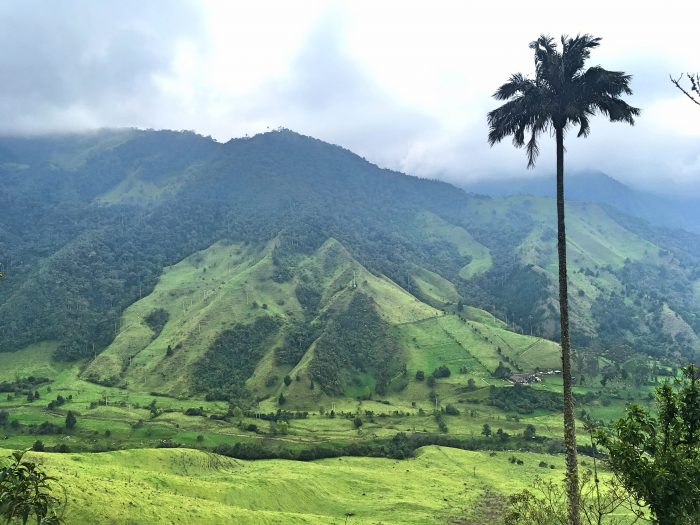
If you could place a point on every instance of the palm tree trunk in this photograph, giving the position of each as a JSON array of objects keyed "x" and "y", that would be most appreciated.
[{"x": 569, "y": 419}]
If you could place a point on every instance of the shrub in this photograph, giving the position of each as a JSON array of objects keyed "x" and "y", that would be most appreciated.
[
  {"x": 442, "y": 371},
  {"x": 25, "y": 492},
  {"x": 451, "y": 410}
]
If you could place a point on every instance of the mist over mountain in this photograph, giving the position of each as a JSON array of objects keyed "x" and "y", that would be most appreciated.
[{"x": 598, "y": 187}]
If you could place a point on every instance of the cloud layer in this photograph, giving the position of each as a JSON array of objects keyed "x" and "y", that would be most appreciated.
[{"x": 404, "y": 85}]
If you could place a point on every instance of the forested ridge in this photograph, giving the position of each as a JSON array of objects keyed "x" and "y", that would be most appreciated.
[{"x": 88, "y": 223}]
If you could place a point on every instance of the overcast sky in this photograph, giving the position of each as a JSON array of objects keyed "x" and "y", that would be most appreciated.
[{"x": 405, "y": 84}]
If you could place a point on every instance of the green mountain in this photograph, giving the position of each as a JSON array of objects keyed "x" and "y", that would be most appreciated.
[
  {"x": 281, "y": 268},
  {"x": 597, "y": 187}
]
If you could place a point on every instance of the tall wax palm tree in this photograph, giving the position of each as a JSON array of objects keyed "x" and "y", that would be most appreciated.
[{"x": 562, "y": 94}]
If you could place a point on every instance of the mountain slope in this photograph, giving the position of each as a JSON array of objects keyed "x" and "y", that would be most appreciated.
[
  {"x": 122, "y": 244},
  {"x": 672, "y": 212}
]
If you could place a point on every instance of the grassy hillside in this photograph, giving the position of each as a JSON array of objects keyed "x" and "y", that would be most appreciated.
[
  {"x": 202, "y": 295},
  {"x": 430, "y": 225},
  {"x": 185, "y": 486},
  {"x": 233, "y": 284},
  {"x": 615, "y": 273}
]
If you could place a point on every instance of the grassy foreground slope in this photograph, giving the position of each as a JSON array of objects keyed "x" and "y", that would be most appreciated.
[{"x": 153, "y": 486}]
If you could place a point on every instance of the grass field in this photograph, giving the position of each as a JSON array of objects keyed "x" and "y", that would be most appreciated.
[{"x": 152, "y": 486}]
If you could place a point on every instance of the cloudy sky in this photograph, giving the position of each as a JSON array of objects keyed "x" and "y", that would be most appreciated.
[{"x": 405, "y": 84}]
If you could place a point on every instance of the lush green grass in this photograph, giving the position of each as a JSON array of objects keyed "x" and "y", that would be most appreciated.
[
  {"x": 434, "y": 288},
  {"x": 479, "y": 346},
  {"x": 145, "y": 485},
  {"x": 33, "y": 361},
  {"x": 186, "y": 486}
]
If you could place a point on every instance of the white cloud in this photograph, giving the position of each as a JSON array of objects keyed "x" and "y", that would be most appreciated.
[{"x": 405, "y": 84}]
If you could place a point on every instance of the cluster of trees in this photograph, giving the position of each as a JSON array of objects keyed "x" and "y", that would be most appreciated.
[
  {"x": 24, "y": 386},
  {"x": 297, "y": 340},
  {"x": 232, "y": 358},
  {"x": 156, "y": 320},
  {"x": 358, "y": 340},
  {"x": 523, "y": 399}
]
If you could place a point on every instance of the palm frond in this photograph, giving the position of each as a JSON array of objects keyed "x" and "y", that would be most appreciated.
[
  {"x": 507, "y": 119},
  {"x": 547, "y": 61},
  {"x": 584, "y": 125},
  {"x": 533, "y": 149},
  {"x": 516, "y": 84},
  {"x": 599, "y": 80},
  {"x": 575, "y": 52},
  {"x": 616, "y": 109}
]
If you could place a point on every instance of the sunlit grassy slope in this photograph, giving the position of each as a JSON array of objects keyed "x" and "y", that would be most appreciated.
[
  {"x": 226, "y": 284},
  {"x": 474, "y": 344},
  {"x": 153, "y": 486},
  {"x": 204, "y": 294}
]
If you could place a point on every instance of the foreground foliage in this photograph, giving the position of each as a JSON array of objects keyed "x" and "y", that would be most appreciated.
[
  {"x": 601, "y": 503},
  {"x": 658, "y": 457},
  {"x": 25, "y": 493}
]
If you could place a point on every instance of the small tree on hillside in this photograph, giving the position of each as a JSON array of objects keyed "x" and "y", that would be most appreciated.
[
  {"x": 529, "y": 432},
  {"x": 71, "y": 420}
]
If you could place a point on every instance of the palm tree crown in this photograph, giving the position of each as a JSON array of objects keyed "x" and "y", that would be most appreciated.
[{"x": 561, "y": 94}]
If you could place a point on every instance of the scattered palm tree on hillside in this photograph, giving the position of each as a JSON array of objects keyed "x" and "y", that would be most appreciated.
[{"x": 562, "y": 94}]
